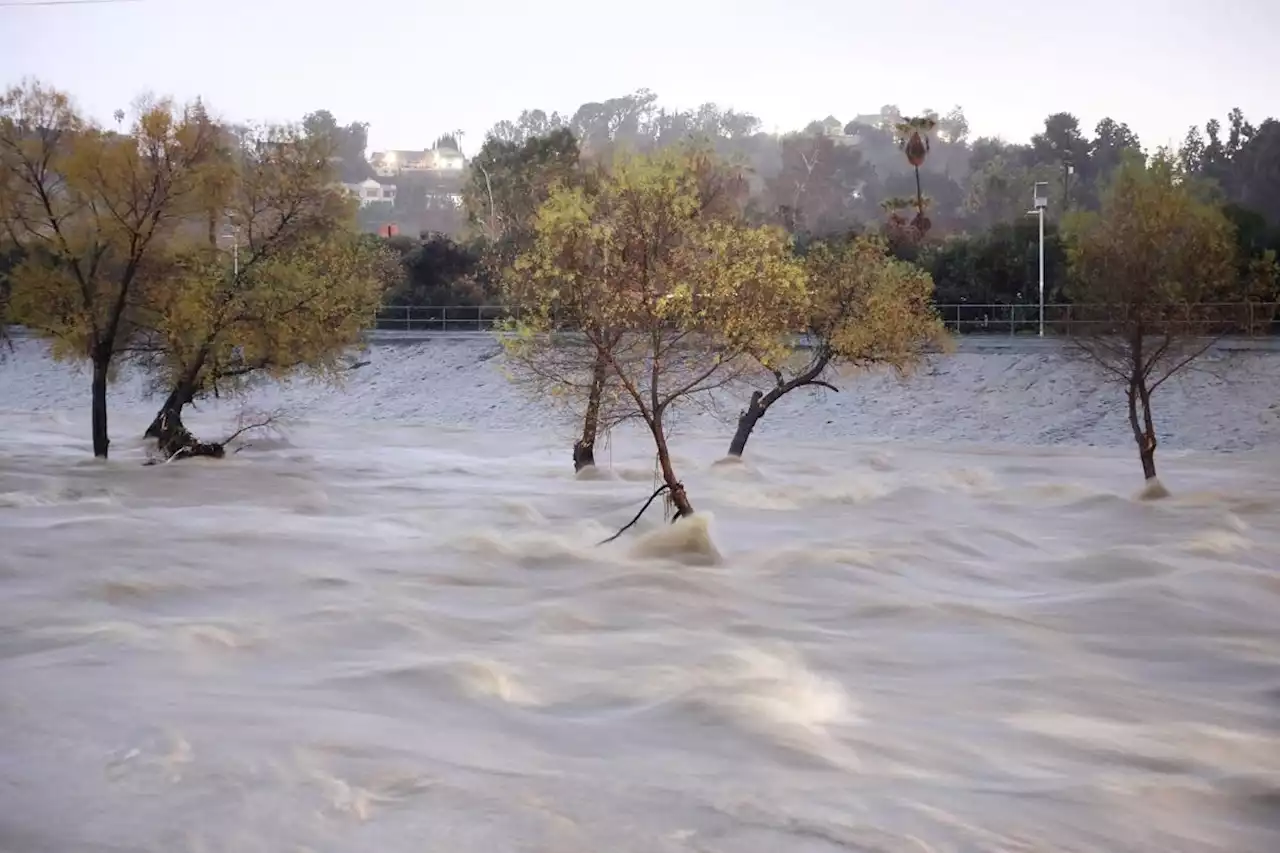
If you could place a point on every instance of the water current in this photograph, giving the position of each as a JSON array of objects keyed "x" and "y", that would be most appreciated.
[{"x": 382, "y": 637}]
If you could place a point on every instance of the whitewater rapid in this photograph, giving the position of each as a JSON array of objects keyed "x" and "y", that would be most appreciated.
[{"x": 376, "y": 633}]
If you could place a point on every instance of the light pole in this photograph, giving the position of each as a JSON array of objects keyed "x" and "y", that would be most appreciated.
[
  {"x": 1040, "y": 199},
  {"x": 233, "y": 231}
]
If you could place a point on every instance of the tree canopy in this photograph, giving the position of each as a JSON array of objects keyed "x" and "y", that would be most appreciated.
[
  {"x": 672, "y": 292},
  {"x": 207, "y": 253},
  {"x": 1153, "y": 274}
]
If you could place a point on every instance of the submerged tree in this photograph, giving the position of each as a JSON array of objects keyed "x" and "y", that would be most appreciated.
[
  {"x": 292, "y": 290},
  {"x": 675, "y": 301},
  {"x": 866, "y": 309},
  {"x": 1153, "y": 284},
  {"x": 92, "y": 209}
]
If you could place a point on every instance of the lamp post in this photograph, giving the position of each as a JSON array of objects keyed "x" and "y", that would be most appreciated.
[
  {"x": 1040, "y": 200},
  {"x": 232, "y": 230}
]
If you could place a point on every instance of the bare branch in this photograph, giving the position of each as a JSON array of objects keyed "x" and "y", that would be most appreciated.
[{"x": 249, "y": 421}]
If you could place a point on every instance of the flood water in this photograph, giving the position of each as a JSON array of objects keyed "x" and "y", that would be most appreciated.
[{"x": 389, "y": 638}]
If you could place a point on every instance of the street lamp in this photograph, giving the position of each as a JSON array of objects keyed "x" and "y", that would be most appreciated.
[
  {"x": 232, "y": 230},
  {"x": 1040, "y": 200}
]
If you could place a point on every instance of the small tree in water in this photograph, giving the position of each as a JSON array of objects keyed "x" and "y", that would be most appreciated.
[
  {"x": 866, "y": 309},
  {"x": 674, "y": 301},
  {"x": 292, "y": 290},
  {"x": 1153, "y": 285},
  {"x": 576, "y": 372}
]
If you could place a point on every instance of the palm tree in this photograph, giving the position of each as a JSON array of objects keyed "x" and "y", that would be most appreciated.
[{"x": 913, "y": 138}]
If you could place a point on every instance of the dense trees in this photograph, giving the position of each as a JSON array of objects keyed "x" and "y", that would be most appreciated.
[
  {"x": 836, "y": 176},
  {"x": 830, "y": 179},
  {"x": 124, "y": 255}
]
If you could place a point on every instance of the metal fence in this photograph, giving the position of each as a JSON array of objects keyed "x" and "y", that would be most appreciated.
[
  {"x": 1255, "y": 319},
  {"x": 439, "y": 318}
]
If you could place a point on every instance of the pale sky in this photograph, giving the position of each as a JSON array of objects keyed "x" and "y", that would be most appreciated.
[{"x": 414, "y": 70}]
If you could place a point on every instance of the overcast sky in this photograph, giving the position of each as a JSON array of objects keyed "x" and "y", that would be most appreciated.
[{"x": 416, "y": 69}]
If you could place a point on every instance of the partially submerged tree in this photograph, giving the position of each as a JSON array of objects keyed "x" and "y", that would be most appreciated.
[
  {"x": 93, "y": 209},
  {"x": 577, "y": 372},
  {"x": 1153, "y": 284},
  {"x": 291, "y": 289},
  {"x": 866, "y": 309},
  {"x": 674, "y": 300},
  {"x": 300, "y": 310}
]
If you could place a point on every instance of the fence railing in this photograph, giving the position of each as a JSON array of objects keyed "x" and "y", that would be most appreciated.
[
  {"x": 1254, "y": 319},
  {"x": 439, "y": 318}
]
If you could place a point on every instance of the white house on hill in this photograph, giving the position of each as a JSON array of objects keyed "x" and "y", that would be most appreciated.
[{"x": 371, "y": 192}]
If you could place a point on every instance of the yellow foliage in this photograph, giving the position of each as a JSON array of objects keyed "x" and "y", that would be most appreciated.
[
  {"x": 92, "y": 207},
  {"x": 301, "y": 306},
  {"x": 869, "y": 307},
  {"x": 676, "y": 294},
  {"x": 291, "y": 287},
  {"x": 126, "y": 250}
]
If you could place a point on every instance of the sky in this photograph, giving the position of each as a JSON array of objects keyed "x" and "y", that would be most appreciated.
[{"x": 415, "y": 70}]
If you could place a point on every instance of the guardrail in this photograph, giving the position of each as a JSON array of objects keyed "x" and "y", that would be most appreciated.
[{"x": 1253, "y": 319}]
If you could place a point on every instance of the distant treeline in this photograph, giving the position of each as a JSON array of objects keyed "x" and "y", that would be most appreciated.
[{"x": 839, "y": 177}]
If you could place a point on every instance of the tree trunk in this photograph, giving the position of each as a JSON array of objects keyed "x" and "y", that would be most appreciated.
[
  {"x": 584, "y": 455},
  {"x": 760, "y": 402},
  {"x": 1144, "y": 431},
  {"x": 181, "y": 395},
  {"x": 101, "y": 441},
  {"x": 679, "y": 499},
  {"x": 584, "y": 449},
  {"x": 919, "y": 197},
  {"x": 746, "y": 423},
  {"x": 174, "y": 439}
]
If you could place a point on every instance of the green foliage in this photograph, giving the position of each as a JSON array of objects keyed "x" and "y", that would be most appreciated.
[
  {"x": 1156, "y": 247},
  {"x": 438, "y": 270},
  {"x": 509, "y": 181},
  {"x": 348, "y": 144},
  {"x": 210, "y": 253},
  {"x": 1000, "y": 266}
]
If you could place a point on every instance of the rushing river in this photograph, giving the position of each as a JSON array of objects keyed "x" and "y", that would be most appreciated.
[{"x": 371, "y": 637}]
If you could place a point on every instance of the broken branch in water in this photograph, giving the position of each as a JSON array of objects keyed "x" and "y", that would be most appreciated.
[
  {"x": 664, "y": 487},
  {"x": 261, "y": 421}
]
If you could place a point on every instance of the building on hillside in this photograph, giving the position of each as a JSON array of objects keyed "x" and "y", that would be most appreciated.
[
  {"x": 448, "y": 160},
  {"x": 389, "y": 164},
  {"x": 372, "y": 192}
]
